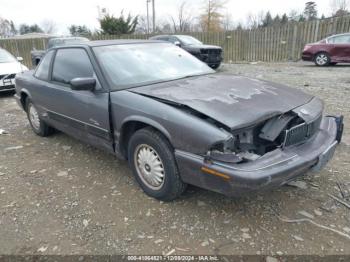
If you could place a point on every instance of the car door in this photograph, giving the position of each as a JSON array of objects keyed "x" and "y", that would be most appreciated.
[
  {"x": 340, "y": 50},
  {"x": 82, "y": 114}
]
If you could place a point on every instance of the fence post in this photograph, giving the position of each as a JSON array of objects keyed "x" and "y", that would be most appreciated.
[{"x": 294, "y": 42}]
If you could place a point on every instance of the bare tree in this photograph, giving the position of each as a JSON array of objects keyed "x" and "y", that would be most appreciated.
[
  {"x": 211, "y": 18},
  {"x": 7, "y": 28},
  {"x": 182, "y": 22},
  {"x": 142, "y": 26},
  {"x": 339, "y": 7},
  {"x": 48, "y": 26},
  {"x": 255, "y": 20},
  {"x": 227, "y": 22}
]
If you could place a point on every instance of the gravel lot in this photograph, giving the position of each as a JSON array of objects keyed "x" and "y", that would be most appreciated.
[{"x": 60, "y": 196}]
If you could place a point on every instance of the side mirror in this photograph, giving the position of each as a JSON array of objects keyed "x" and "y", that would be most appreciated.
[
  {"x": 177, "y": 43},
  {"x": 83, "y": 83},
  {"x": 19, "y": 58}
]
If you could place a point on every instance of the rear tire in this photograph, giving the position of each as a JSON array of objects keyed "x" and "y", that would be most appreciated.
[
  {"x": 38, "y": 126},
  {"x": 152, "y": 161},
  {"x": 322, "y": 59}
]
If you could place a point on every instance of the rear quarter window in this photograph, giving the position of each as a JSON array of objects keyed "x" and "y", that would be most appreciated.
[{"x": 43, "y": 69}]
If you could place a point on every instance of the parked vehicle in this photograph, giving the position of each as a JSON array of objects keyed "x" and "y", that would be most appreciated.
[
  {"x": 209, "y": 54},
  {"x": 178, "y": 122},
  {"x": 56, "y": 41},
  {"x": 9, "y": 67},
  {"x": 329, "y": 51}
]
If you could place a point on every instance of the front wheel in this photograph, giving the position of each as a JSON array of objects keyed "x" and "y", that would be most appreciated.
[
  {"x": 153, "y": 164},
  {"x": 38, "y": 126},
  {"x": 322, "y": 59},
  {"x": 215, "y": 66}
]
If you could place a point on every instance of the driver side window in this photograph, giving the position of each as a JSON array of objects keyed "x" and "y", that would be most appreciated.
[{"x": 70, "y": 63}]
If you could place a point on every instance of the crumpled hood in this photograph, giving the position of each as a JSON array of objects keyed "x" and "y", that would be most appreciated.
[
  {"x": 11, "y": 68},
  {"x": 234, "y": 101}
]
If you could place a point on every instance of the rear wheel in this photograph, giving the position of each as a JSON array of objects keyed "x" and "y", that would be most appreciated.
[
  {"x": 322, "y": 59},
  {"x": 153, "y": 164},
  {"x": 38, "y": 126}
]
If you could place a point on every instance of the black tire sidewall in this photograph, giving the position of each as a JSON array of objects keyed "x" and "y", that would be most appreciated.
[{"x": 171, "y": 178}]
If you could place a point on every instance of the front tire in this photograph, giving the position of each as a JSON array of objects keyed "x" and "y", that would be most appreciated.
[
  {"x": 38, "y": 126},
  {"x": 215, "y": 66},
  {"x": 322, "y": 59},
  {"x": 152, "y": 160}
]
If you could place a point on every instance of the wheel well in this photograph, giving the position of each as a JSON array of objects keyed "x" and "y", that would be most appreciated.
[
  {"x": 320, "y": 52},
  {"x": 127, "y": 131},
  {"x": 23, "y": 100}
]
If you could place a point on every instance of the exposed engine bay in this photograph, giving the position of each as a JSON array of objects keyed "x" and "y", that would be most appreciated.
[{"x": 280, "y": 131}]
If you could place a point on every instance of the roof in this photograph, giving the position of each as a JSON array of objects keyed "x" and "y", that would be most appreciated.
[{"x": 113, "y": 42}]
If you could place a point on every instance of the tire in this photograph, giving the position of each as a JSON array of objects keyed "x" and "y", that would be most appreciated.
[
  {"x": 152, "y": 161},
  {"x": 215, "y": 66},
  {"x": 38, "y": 126},
  {"x": 322, "y": 59}
]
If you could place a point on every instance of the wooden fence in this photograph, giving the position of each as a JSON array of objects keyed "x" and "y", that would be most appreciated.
[{"x": 271, "y": 44}]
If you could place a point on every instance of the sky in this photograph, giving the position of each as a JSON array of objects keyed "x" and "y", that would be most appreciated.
[{"x": 67, "y": 12}]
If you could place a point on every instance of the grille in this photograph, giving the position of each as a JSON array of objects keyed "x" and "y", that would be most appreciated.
[
  {"x": 211, "y": 51},
  {"x": 10, "y": 76},
  {"x": 300, "y": 133}
]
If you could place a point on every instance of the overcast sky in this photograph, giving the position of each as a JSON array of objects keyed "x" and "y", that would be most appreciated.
[{"x": 67, "y": 12}]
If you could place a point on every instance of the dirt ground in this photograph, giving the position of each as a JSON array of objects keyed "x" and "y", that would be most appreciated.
[{"x": 60, "y": 196}]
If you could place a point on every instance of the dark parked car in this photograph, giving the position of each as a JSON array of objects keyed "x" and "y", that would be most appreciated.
[
  {"x": 330, "y": 51},
  {"x": 56, "y": 41},
  {"x": 210, "y": 54},
  {"x": 178, "y": 122}
]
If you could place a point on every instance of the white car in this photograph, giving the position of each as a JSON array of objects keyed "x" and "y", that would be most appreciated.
[{"x": 9, "y": 67}]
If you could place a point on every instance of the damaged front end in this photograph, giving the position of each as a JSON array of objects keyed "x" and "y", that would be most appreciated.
[
  {"x": 267, "y": 154},
  {"x": 288, "y": 129}
]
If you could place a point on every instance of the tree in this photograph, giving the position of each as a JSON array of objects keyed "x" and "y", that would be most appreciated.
[
  {"x": 277, "y": 20},
  {"x": 7, "y": 28},
  {"x": 118, "y": 25},
  {"x": 210, "y": 19},
  {"x": 26, "y": 29},
  {"x": 48, "y": 26},
  {"x": 182, "y": 22},
  {"x": 339, "y": 7},
  {"x": 79, "y": 30},
  {"x": 255, "y": 20},
  {"x": 284, "y": 19},
  {"x": 310, "y": 11},
  {"x": 267, "y": 21}
]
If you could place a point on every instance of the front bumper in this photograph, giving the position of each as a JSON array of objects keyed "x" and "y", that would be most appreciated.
[
  {"x": 271, "y": 170},
  {"x": 7, "y": 84},
  {"x": 306, "y": 56}
]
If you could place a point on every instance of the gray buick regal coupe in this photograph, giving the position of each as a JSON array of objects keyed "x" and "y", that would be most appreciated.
[{"x": 177, "y": 121}]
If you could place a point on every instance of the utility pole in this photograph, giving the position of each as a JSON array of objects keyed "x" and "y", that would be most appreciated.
[
  {"x": 147, "y": 1},
  {"x": 154, "y": 16}
]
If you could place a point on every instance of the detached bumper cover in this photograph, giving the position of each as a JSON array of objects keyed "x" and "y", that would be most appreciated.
[{"x": 271, "y": 170}]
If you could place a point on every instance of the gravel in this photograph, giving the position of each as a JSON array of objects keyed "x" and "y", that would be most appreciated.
[{"x": 81, "y": 200}]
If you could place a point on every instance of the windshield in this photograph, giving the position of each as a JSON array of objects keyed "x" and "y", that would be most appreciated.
[
  {"x": 132, "y": 65},
  {"x": 189, "y": 40},
  {"x": 6, "y": 57}
]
